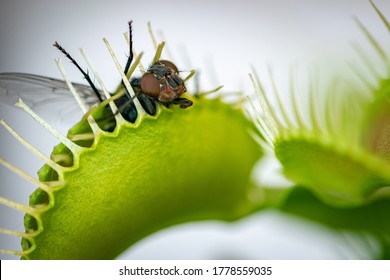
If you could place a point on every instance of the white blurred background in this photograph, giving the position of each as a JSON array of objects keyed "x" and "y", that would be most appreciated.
[{"x": 222, "y": 39}]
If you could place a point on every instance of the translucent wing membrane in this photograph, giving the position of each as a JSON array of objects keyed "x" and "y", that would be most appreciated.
[{"x": 48, "y": 97}]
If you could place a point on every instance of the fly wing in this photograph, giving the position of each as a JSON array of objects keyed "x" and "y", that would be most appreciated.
[{"x": 48, "y": 97}]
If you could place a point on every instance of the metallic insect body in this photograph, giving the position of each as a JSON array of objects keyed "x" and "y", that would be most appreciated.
[
  {"x": 163, "y": 83},
  {"x": 160, "y": 83}
]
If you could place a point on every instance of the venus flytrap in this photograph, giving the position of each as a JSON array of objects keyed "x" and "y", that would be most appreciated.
[
  {"x": 337, "y": 153},
  {"x": 108, "y": 184},
  {"x": 117, "y": 183},
  {"x": 329, "y": 154}
]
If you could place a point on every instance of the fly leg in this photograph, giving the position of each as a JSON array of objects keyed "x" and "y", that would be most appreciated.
[
  {"x": 182, "y": 102},
  {"x": 85, "y": 74}
]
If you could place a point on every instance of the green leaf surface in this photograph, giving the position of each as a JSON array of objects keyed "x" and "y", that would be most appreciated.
[
  {"x": 372, "y": 218},
  {"x": 340, "y": 177},
  {"x": 180, "y": 166}
]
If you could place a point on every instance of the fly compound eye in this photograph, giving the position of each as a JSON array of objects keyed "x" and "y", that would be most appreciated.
[
  {"x": 150, "y": 85},
  {"x": 170, "y": 65}
]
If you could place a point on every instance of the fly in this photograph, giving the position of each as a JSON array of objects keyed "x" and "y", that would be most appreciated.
[{"x": 161, "y": 83}]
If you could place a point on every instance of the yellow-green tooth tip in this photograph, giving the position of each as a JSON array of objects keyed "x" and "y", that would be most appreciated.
[{"x": 179, "y": 166}]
